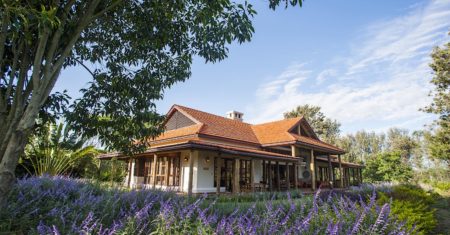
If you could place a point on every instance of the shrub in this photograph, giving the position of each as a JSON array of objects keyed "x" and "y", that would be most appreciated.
[
  {"x": 53, "y": 205},
  {"x": 444, "y": 186},
  {"x": 413, "y": 205}
]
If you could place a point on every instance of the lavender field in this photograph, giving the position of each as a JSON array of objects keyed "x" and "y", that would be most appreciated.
[{"x": 58, "y": 205}]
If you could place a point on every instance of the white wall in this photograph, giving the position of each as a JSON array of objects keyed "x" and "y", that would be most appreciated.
[
  {"x": 204, "y": 177},
  {"x": 184, "y": 172}
]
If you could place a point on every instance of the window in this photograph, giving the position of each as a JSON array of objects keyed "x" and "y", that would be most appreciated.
[
  {"x": 245, "y": 172},
  {"x": 139, "y": 167},
  {"x": 148, "y": 171}
]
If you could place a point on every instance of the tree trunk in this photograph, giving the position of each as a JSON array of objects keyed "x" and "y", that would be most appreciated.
[{"x": 15, "y": 148}]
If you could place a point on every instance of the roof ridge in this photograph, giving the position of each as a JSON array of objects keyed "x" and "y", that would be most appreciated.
[
  {"x": 280, "y": 120},
  {"x": 197, "y": 110}
]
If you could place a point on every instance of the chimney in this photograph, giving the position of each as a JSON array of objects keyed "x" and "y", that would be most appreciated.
[{"x": 235, "y": 115}]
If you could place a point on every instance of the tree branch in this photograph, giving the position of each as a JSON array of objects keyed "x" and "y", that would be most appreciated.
[
  {"x": 35, "y": 77},
  {"x": 85, "y": 67},
  {"x": 112, "y": 6},
  {"x": 3, "y": 35}
]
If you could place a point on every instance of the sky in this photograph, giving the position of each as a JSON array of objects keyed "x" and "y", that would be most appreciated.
[{"x": 365, "y": 63}]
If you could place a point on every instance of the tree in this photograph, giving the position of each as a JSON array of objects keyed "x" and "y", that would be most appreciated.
[
  {"x": 399, "y": 140},
  {"x": 326, "y": 128},
  {"x": 137, "y": 49},
  {"x": 55, "y": 150},
  {"x": 439, "y": 139},
  {"x": 361, "y": 145},
  {"x": 387, "y": 167}
]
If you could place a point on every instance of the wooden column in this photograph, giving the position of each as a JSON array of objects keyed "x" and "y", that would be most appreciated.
[
  {"x": 360, "y": 169},
  {"x": 167, "y": 171},
  {"x": 347, "y": 177},
  {"x": 236, "y": 186},
  {"x": 155, "y": 159},
  {"x": 130, "y": 163},
  {"x": 264, "y": 176},
  {"x": 288, "y": 178},
  {"x": 218, "y": 173},
  {"x": 252, "y": 174},
  {"x": 312, "y": 168},
  {"x": 191, "y": 172},
  {"x": 341, "y": 176},
  {"x": 295, "y": 175},
  {"x": 360, "y": 175},
  {"x": 269, "y": 174},
  {"x": 278, "y": 176},
  {"x": 330, "y": 172},
  {"x": 294, "y": 151}
]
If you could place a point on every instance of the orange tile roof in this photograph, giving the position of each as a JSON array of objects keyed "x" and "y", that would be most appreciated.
[
  {"x": 220, "y": 126},
  {"x": 184, "y": 131},
  {"x": 275, "y": 132},
  {"x": 270, "y": 133}
]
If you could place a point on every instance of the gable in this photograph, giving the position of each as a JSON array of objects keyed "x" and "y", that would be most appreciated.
[
  {"x": 303, "y": 129},
  {"x": 308, "y": 129},
  {"x": 178, "y": 120}
]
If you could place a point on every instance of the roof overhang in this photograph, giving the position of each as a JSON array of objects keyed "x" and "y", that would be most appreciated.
[
  {"x": 184, "y": 146},
  {"x": 306, "y": 145}
]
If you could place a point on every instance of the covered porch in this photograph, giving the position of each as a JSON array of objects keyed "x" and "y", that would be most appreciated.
[
  {"x": 203, "y": 168},
  {"x": 212, "y": 168}
]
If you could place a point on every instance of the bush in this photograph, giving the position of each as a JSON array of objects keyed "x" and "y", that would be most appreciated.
[
  {"x": 413, "y": 205},
  {"x": 444, "y": 186},
  {"x": 53, "y": 205}
]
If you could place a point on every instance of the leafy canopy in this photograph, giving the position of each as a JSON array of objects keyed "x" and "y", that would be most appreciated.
[
  {"x": 439, "y": 139},
  {"x": 387, "y": 167},
  {"x": 144, "y": 48}
]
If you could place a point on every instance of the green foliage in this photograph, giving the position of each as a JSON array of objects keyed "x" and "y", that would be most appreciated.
[
  {"x": 112, "y": 170},
  {"x": 388, "y": 166},
  {"x": 140, "y": 64},
  {"x": 438, "y": 142},
  {"x": 361, "y": 145},
  {"x": 55, "y": 150},
  {"x": 326, "y": 128},
  {"x": 444, "y": 186},
  {"x": 439, "y": 138},
  {"x": 135, "y": 50},
  {"x": 411, "y": 204},
  {"x": 400, "y": 141}
]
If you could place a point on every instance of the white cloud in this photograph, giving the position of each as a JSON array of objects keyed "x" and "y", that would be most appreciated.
[
  {"x": 287, "y": 81},
  {"x": 385, "y": 81},
  {"x": 324, "y": 75},
  {"x": 403, "y": 38}
]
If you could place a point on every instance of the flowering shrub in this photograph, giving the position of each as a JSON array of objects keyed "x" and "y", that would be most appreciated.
[{"x": 58, "y": 205}]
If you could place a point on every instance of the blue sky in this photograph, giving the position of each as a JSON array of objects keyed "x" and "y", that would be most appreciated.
[{"x": 364, "y": 62}]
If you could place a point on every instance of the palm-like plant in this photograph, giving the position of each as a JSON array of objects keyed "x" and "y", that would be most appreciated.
[{"x": 56, "y": 150}]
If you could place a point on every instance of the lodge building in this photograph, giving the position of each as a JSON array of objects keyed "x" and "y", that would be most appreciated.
[{"x": 201, "y": 152}]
